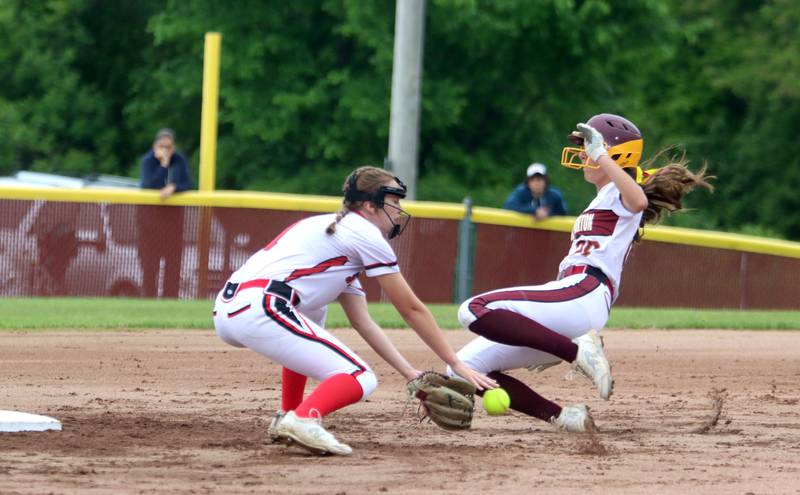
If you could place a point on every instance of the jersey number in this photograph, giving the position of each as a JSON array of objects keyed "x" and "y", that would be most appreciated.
[{"x": 585, "y": 247}]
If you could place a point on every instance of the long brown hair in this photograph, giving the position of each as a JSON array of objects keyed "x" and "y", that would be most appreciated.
[
  {"x": 667, "y": 186},
  {"x": 367, "y": 179}
]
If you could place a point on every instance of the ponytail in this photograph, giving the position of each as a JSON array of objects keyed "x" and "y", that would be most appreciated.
[
  {"x": 343, "y": 210},
  {"x": 666, "y": 187}
]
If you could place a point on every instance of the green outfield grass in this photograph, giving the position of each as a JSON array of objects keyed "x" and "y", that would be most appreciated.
[{"x": 70, "y": 313}]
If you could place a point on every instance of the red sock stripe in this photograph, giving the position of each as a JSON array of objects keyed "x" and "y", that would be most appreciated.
[
  {"x": 297, "y": 329},
  {"x": 478, "y": 305}
]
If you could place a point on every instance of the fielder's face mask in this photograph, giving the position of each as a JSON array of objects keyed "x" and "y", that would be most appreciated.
[{"x": 378, "y": 199}]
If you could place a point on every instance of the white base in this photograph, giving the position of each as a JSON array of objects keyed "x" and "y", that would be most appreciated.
[{"x": 13, "y": 421}]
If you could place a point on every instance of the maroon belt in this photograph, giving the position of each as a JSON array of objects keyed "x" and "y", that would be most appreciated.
[{"x": 589, "y": 270}]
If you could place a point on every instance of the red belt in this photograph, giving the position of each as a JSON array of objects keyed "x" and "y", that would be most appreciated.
[{"x": 589, "y": 270}]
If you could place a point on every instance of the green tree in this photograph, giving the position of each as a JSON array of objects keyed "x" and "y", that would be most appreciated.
[
  {"x": 505, "y": 82},
  {"x": 729, "y": 94},
  {"x": 305, "y": 91},
  {"x": 64, "y": 65}
]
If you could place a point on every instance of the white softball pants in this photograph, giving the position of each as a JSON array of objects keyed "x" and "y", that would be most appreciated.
[
  {"x": 571, "y": 306},
  {"x": 272, "y": 327}
]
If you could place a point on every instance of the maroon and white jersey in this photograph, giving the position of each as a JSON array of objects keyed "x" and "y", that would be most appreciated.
[
  {"x": 602, "y": 235},
  {"x": 318, "y": 266}
]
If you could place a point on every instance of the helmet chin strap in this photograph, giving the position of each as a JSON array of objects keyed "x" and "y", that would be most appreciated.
[{"x": 395, "y": 226}]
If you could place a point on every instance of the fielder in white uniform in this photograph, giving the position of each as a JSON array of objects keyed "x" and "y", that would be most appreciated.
[
  {"x": 275, "y": 304},
  {"x": 539, "y": 326}
]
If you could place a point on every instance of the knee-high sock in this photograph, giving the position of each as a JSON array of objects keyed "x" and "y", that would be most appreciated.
[
  {"x": 507, "y": 327},
  {"x": 524, "y": 399},
  {"x": 331, "y": 394},
  {"x": 293, "y": 385}
]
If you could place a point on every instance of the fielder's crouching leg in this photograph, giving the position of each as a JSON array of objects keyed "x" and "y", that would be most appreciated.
[{"x": 368, "y": 382}]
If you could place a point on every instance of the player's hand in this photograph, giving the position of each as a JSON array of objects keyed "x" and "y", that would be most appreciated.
[
  {"x": 592, "y": 141},
  {"x": 481, "y": 381},
  {"x": 411, "y": 373},
  {"x": 162, "y": 156},
  {"x": 167, "y": 191}
]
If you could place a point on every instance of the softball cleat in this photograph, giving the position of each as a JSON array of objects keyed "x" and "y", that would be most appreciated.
[
  {"x": 591, "y": 362},
  {"x": 272, "y": 430},
  {"x": 574, "y": 419},
  {"x": 309, "y": 434}
]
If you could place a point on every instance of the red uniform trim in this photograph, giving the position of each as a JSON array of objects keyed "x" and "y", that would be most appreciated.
[
  {"x": 274, "y": 241},
  {"x": 378, "y": 265},
  {"x": 285, "y": 316},
  {"x": 318, "y": 268},
  {"x": 238, "y": 311},
  {"x": 577, "y": 269},
  {"x": 478, "y": 306}
]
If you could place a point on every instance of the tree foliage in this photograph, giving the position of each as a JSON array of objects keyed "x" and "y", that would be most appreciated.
[{"x": 305, "y": 91}]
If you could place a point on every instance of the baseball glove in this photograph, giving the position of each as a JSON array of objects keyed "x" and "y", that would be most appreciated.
[{"x": 447, "y": 401}]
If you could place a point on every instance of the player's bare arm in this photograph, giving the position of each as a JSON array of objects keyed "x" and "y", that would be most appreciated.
[
  {"x": 355, "y": 308},
  {"x": 417, "y": 315},
  {"x": 633, "y": 197}
]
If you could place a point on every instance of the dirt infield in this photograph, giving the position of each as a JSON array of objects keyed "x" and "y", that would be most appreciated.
[{"x": 181, "y": 412}]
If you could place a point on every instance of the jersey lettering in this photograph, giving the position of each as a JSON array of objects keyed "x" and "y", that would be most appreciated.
[
  {"x": 602, "y": 234},
  {"x": 585, "y": 247},
  {"x": 595, "y": 222}
]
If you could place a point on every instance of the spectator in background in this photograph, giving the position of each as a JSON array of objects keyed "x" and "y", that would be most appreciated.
[
  {"x": 535, "y": 196},
  {"x": 165, "y": 169},
  {"x": 161, "y": 227}
]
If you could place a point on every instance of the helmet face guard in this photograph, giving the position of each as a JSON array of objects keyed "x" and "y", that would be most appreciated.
[
  {"x": 627, "y": 155},
  {"x": 621, "y": 137},
  {"x": 397, "y": 228},
  {"x": 379, "y": 200}
]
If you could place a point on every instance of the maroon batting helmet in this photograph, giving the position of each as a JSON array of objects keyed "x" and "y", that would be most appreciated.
[{"x": 622, "y": 138}]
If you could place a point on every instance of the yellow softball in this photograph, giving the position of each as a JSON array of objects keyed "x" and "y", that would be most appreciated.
[{"x": 496, "y": 401}]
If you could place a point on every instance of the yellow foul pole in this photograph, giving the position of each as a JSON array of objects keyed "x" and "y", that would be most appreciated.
[
  {"x": 208, "y": 153},
  {"x": 208, "y": 124}
]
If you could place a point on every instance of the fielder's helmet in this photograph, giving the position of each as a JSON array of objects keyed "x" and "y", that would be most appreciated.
[{"x": 621, "y": 136}]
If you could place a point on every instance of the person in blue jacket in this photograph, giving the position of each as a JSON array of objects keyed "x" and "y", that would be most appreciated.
[
  {"x": 164, "y": 168},
  {"x": 161, "y": 226},
  {"x": 536, "y": 196}
]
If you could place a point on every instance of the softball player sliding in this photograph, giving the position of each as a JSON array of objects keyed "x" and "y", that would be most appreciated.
[
  {"x": 275, "y": 305},
  {"x": 538, "y": 326}
]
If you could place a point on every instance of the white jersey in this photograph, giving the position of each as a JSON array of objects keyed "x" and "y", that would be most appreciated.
[
  {"x": 319, "y": 266},
  {"x": 602, "y": 235}
]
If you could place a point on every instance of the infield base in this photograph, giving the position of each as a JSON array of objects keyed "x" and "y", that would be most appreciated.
[{"x": 14, "y": 421}]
